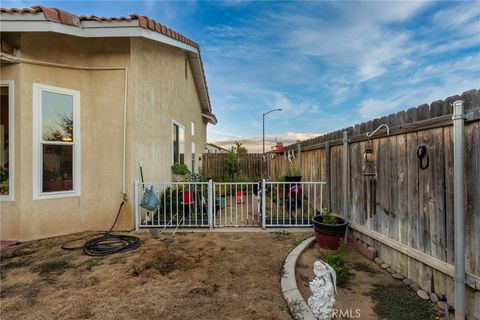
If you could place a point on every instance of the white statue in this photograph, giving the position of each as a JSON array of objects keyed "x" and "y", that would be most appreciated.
[{"x": 323, "y": 289}]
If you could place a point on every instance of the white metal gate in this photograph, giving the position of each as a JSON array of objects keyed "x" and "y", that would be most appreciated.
[
  {"x": 236, "y": 204},
  {"x": 230, "y": 204}
]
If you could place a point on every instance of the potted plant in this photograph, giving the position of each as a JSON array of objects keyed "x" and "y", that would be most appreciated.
[
  {"x": 293, "y": 174},
  {"x": 329, "y": 229},
  {"x": 179, "y": 171}
]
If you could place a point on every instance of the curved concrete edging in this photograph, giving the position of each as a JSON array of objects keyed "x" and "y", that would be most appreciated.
[{"x": 296, "y": 304}]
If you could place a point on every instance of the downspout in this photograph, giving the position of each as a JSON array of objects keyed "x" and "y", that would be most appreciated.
[
  {"x": 459, "y": 209},
  {"x": 125, "y": 94}
]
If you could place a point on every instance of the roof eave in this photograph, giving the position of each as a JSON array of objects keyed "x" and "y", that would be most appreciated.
[{"x": 91, "y": 29}]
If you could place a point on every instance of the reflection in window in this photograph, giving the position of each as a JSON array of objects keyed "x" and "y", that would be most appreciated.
[
  {"x": 4, "y": 141},
  {"x": 57, "y": 142},
  {"x": 57, "y": 168},
  {"x": 178, "y": 141},
  {"x": 57, "y": 117}
]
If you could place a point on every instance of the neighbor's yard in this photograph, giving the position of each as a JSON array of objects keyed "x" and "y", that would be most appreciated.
[{"x": 193, "y": 276}]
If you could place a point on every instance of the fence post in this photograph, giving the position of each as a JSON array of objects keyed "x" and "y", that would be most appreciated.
[
  {"x": 459, "y": 209},
  {"x": 327, "y": 175},
  {"x": 299, "y": 156},
  {"x": 346, "y": 212},
  {"x": 264, "y": 203},
  {"x": 136, "y": 198},
  {"x": 210, "y": 203}
]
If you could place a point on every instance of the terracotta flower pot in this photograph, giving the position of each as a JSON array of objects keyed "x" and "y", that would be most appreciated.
[
  {"x": 329, "y": 236},
  {"x": 239, "y": 196}
]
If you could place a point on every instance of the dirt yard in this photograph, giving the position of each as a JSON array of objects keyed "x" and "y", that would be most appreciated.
[
  {"x": 367, "y": 280},
  {"x": 193, "y": 276}
]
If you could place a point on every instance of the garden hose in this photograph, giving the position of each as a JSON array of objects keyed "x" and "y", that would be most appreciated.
[{"x": 107, "y": 243}]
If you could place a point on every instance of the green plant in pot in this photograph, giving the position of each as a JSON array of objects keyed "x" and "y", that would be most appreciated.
[
  {"x": 293, "y": 174},
  {"x": 179, "y": 171},
  {"x": 329, "y": 229}
]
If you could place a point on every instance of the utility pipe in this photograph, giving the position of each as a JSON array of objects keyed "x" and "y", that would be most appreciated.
[
  {"x": 125, "y": 94},
  {"x": 459, "y": 209},
  {"x": 263, "y": 140}
]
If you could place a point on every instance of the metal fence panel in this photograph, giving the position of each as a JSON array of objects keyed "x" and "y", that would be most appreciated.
[{"x": 230, "y": 204}]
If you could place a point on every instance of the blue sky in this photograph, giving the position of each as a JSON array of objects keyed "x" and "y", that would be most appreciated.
[{"x": 327, "y": 64}]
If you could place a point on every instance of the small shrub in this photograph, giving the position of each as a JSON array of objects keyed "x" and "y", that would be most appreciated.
[
  {"x": 293, "y": 171},
  {"x": 337, "y": 261},
  {"x": 180, "y": 168},
  {"x": 328, "y": 218},
  {"x": 233, "y": 164}
]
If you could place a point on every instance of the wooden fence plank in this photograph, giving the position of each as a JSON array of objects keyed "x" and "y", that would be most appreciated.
[{"x": 472, "y": 198}]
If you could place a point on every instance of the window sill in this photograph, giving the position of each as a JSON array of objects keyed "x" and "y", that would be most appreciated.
[
  {"x": 56, "y": 195},
  {"x": 8, "y": 198}
]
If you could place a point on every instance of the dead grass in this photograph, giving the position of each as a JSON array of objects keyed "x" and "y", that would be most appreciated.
[
  {"x": 53, "y": 266},
  {"x": 192, "y": 276},
  {"x": 362, "y": 266}
]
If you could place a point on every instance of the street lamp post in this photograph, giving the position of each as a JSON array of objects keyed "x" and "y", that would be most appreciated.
[{"x": 263, "y": 135}]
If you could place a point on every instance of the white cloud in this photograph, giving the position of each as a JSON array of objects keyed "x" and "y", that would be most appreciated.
[
  {"x": 316, "y": 59},
  {"x": 413, "y": 96}
]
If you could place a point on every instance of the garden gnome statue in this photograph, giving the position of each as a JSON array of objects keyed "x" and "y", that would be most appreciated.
[{"x": 323, "y": 289}]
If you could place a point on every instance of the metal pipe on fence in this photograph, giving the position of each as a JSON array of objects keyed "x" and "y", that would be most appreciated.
[
  {"x": 210, "y": 203},
  {"x": 346, "y": 212},
  {"x": 264, "y": 203},
  {"x": 459, "y": 209}
]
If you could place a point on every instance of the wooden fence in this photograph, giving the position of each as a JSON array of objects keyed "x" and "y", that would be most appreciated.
[
  {"x": 215, "y": 165},
  {"x": 405, "y": 212}
]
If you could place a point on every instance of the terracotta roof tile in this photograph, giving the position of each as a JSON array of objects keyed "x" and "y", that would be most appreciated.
[
  {"x": 67, "y": 18},
  {"x": 63, "y": 17}
]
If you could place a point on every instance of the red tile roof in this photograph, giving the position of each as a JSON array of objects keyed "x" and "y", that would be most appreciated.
[
  {"x": 67, "y": 18},
  {"x": 63, "y": 17}
]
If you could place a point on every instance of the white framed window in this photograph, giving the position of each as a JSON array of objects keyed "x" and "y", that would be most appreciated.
[
  {"x": 7, "y": 146},
  {"x": 178, "y": 142},
  {"x": 193, "y": 129},
  {"x": 56, "y": 142}
]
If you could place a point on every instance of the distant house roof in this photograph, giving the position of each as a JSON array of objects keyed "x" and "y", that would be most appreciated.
[
  {"x": 45, "y": 19},
  {"x": 215, "y": 146}
]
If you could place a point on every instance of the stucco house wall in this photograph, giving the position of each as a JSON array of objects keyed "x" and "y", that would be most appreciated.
[
  {"x": 161, "y": 94},
  {"x": 158, "y": 92}
]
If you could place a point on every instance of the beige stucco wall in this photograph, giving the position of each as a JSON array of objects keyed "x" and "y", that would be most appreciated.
[
  {"x": 162, "y": 94},
  {"x": 157, "y": 93}
]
